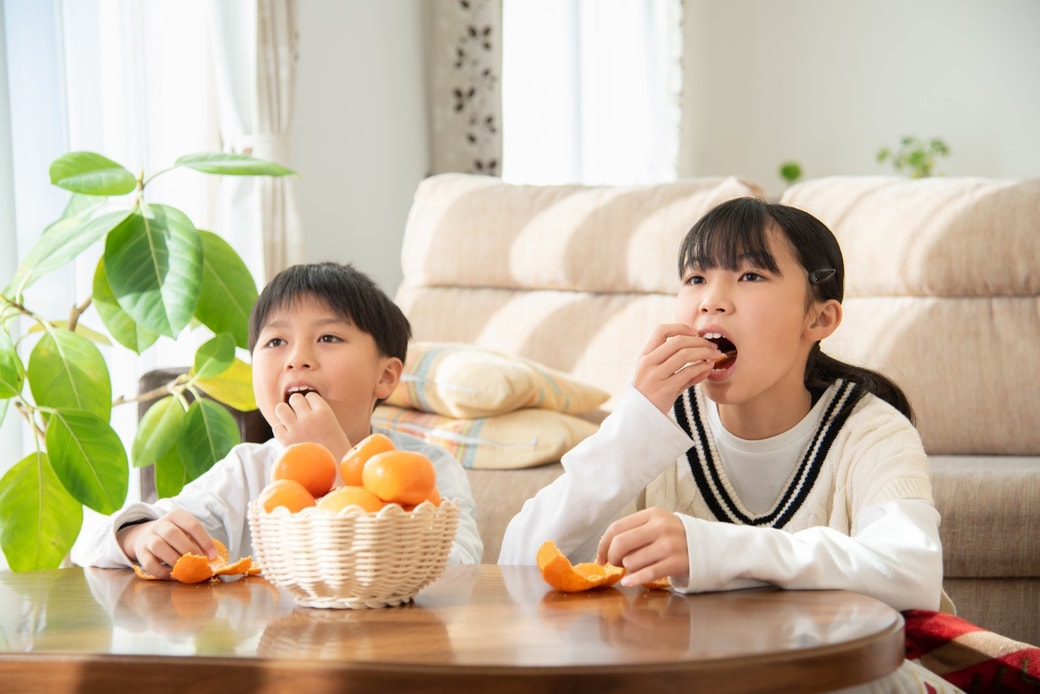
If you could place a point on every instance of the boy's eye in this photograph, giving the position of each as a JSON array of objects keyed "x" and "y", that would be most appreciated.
[
  {"x": 329, "y": 338},
  {"x": 274, "y": 342}
]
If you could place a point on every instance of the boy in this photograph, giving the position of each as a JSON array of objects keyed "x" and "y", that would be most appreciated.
[{"x": 327, "y": 346}]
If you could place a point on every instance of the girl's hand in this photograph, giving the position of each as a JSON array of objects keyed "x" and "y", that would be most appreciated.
[
  {"x": 673, "y": 359},
  {"x": 308, "y": 417},
  {"x": 650, "y": 544},
  {"x": 157, "y": 545}
]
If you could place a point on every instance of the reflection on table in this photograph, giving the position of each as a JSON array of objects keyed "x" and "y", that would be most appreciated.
[{"x": 96, "y": 629}]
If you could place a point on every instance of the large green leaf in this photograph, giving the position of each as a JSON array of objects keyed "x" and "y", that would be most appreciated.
[
  {"x": 214, "y": 356},
  {"x": 89, "y": 459},
  {"x": 230, "y": 164},
  {"x": 233, "y": 387},
  {"x": 64, "y": 240},
  {"x": 91, "y": 174},
  {"x": 67, "y": 372},
  {"x": 158, "y": 431},
  {"x": 122, "y": 327},
  {"x": 153, "y": 262},
  {"x": 12, "y": 372},
  {"x": 228, "y": 289},
  {"x": 209, "y": 433},
  {"x": 170, "y": 474},
  {"x": 39, "y": 520}
]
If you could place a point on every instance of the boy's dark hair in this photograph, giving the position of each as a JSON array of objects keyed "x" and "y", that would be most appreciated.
[
  {"x": 349, "y": 292},
  {"x": 737, "y": 230}
]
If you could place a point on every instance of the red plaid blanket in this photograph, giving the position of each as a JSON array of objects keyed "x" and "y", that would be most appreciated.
[{"x": 970, "y": 657}]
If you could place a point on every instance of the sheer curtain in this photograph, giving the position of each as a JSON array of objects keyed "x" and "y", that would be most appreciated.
[
  {"x": 591, "y": 90},
  {"x": 254, "y": 46},
  {"x": 131, "y": 80}
]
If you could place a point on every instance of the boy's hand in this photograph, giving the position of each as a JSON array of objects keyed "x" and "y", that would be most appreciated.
[
  {"x": 308, "y": 417},
  {"x": 157, "y": 545},
  {"x": 674, "y": 358},
  {"x": 650, "y": 544}
]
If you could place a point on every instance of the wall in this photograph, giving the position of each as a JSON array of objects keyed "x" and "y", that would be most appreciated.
[
  {"x": 358, "y": 135},
  {"x": 829, "y": 82}
]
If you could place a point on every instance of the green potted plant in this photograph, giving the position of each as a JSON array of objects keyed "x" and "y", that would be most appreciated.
[
  {"x": 157, "y": 275},
  {"x": 915, "y": 156}
]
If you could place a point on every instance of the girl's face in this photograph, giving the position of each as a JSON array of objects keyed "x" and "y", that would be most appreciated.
[{"x": 769, "y": 319}]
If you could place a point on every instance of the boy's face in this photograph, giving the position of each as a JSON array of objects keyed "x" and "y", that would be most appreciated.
[{"x": 307, "y": 347}]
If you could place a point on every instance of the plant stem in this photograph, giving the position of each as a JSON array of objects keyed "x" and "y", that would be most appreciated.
[
  {"x": 27, "y": 412},
  {"x": 168, "y": 389},
  {"x": 77, "y": 311}
]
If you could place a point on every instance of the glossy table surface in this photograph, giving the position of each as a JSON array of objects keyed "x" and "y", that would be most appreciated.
[{"x": 477, "y": 627}]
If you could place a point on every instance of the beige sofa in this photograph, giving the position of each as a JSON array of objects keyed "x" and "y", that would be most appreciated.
[{"x": 942, "y": 294}]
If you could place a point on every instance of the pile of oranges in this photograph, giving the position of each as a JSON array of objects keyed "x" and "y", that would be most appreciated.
[{"x": 374, "y": 474}]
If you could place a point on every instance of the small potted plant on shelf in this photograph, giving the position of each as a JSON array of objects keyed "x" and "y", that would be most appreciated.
[{"x": 157, "y": 275}]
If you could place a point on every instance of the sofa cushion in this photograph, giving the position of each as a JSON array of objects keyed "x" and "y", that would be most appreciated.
[
  {"x": 519, "y": 439},
  {"x": 460, "y": 380},
  {"x": 989, "y": 514},
  {"x": 942, "y": 296}
]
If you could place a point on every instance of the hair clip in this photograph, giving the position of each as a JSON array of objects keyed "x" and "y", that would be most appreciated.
[{"x": 821, "y": 275}]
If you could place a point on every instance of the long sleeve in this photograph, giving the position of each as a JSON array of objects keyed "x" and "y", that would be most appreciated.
[
  {"x": 219, "y": 499},
  {"x": 895, "y": 556},
  {"x": 602, "y": 475}
]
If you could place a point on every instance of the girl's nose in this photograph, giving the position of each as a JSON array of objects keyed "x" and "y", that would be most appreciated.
[{"x": 715, "y": 301}]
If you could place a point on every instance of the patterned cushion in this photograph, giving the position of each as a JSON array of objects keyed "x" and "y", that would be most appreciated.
[
  {"x": 459, "y": 380},
  {"x": 520, "y": 439}
]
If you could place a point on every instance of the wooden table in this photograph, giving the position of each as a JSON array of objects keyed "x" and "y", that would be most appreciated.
[{"x": 477, "y": 628}]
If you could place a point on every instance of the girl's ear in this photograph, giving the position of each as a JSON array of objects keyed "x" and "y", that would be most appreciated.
[
  {"x": 825, "y": 322},
  {"x": 388, "y": 379}
]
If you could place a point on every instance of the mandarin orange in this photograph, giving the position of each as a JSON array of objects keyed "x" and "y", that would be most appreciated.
[
  {"x": 309, "y": 463},
  {"x": 350, "y": 495},
  {"x": 400, "y": 477},
  {"x": 288, "y": 493},
  {"x": 353, "y": 463}
]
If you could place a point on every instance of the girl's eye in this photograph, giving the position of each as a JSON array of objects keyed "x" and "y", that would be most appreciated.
[
  {"x": 694, "y": 279},
  {"x": 751, "y": 276}
]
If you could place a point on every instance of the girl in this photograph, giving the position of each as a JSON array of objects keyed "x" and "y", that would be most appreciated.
[{"x": 741, "y": 454}]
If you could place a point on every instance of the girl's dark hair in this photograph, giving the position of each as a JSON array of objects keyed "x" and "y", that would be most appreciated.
[
  {"x": 347, "y": 291},
  {"x": 737, "y": 231}
]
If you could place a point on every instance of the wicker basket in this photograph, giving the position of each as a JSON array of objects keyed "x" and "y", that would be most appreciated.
[{"x": 354, "y": 559}]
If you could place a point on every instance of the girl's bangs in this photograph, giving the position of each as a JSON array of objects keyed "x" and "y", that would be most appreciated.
[{"x": 729, "y": 239}]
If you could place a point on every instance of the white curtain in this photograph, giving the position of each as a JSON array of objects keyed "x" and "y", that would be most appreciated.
[
  {"x": 591, "y": 90},
  {"x": 254, "y": 46}
]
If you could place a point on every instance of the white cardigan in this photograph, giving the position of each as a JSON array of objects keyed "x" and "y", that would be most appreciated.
[{"x": 866, "y": 523}]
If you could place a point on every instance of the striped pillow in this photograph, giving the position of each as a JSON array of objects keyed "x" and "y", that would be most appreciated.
[
  {"x": 458, "y": 380},
  {"x": 519, "y": 439}
]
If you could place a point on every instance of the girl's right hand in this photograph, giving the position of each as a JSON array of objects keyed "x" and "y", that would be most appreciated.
[
  {"x": 673, "y": 359},
  {"x": 157, "y": 545}
]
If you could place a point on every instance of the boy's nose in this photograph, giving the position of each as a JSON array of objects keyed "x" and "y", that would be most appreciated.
[{"x": 299, "y": 359}]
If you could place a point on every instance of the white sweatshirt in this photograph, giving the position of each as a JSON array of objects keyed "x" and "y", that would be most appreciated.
[{"x": 859, "y": 517}]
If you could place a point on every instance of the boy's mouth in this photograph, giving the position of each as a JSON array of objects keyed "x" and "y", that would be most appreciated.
[
  {"x": 302, "y": 390},
  {"x": 728, "y": 349}
]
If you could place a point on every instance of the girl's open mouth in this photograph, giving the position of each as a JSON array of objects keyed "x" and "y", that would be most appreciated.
[{"x": 728, "y": 349}]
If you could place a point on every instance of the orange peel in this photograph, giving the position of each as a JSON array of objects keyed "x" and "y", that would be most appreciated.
[
  {"x": 558, "y": 571},
  {"x": 196, "y": 568}
]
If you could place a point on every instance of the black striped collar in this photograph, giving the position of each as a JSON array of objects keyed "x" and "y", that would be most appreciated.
[{"x": 689, "y": 412}]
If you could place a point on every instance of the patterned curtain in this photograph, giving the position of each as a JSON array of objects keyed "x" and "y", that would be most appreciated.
[{"x": 464, "y": 86}]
